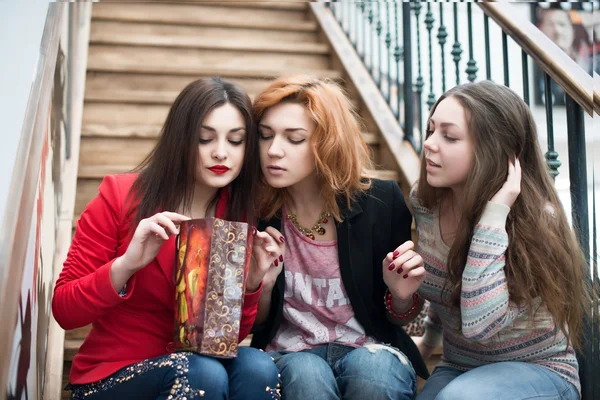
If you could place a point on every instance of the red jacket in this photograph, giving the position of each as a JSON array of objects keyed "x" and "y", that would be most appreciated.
[{"x": 127, "y": 329}]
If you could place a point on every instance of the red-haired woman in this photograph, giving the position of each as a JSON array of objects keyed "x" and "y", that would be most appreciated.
[
  {"x": 118, "y": 275},
  {"x": 322, "y": 315}
]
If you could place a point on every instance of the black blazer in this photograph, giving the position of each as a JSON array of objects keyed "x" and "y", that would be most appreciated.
[{"x": 377, "y": 222}]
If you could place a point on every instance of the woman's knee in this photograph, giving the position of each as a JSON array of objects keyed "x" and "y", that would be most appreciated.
[
  {"x": 205, "y": 374},
  {"x": 459, "y": 391},
  {"x": 379, "y": 361},
  {"x": 304, "y": 367},
  {"x": 255, "y": 364},
  {"x": 380, "y": 370}
]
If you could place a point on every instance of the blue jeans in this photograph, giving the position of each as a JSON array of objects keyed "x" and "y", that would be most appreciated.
[
  {"x": 334, "y": 371},
  {"x": 501, "y": 381},
  {"x": 252, "y": 375}
]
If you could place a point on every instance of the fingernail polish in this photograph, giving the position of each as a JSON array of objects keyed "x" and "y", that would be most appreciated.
[
  {"x": 391, "y": 267},
  {"x": 400, "y": 270},
  {"x": 276, "y": 263},
  {"x": 281, "y": 258},
  {"x": 405, "y": 276},
  {"x": 281, "y": 239},
  {"x": 396, "y": 254}
]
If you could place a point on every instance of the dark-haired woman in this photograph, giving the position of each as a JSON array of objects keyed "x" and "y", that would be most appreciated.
[{"x": 118, "y": 275}]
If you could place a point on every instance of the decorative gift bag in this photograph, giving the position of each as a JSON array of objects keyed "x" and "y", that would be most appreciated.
[{"x": 212, "y": 261}]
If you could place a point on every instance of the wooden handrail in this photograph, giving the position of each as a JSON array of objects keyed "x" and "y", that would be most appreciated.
[
  {"x": 19, "y": 209},
  {"x": 597, "y": 93},
  {"x": 576, "y": 82},
  {"x": 79, "y": 32}
]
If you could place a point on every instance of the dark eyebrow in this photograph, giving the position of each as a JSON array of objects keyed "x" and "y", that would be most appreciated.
[
  {"x": 286, "y": 130},
  {"x": 444, "y": 124},
  {"x": 210, "y": 128}
]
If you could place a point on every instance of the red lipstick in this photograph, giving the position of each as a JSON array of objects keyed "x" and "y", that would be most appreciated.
[{"x": 219, "y": 169}]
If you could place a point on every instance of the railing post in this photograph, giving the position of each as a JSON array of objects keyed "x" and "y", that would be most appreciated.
[
  {"x": 408, "y": 89},
  {"x": 429, "y": 20},
  {"x": 442, "y": 35},
  {"x": 419, "y": 83},
  {"x": 579, "y": 213},
  {"x": 471, "y": 64},
  {"x": 578, "y": 173},
  {"x": 551, "y": 155}
]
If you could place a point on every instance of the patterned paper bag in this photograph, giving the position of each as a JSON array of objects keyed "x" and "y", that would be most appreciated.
[{"x": 212, "y": 261}]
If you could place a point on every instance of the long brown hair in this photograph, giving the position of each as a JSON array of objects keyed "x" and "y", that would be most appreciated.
[
  {"x": 543, "y": 257},
  {"x": 168, "y": 174},
  {"x": 341, "y": 154}
]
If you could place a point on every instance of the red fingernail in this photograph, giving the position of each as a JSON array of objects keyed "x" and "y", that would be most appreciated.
[
  {"x": 405, "y": 276},
  {"x": 281, "y": 239},
  {"x": 281, "y": 258},
  {"x": 391, "y": 267},
  {"x": 275, "y": 262},
  {"x": 400, "y": 270},
  {"x": 396, "y": 254}
]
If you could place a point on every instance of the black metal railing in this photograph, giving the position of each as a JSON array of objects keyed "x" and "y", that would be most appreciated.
[{"x": 373, "y": 28}]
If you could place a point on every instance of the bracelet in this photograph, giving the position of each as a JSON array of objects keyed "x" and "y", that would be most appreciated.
[{"x": 387, "y": 300}]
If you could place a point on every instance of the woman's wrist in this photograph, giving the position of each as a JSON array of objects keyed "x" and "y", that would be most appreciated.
[
  {"x": 407, "y": 311},
  {"x": 120, "y": 274},
  {"x": 252, "y": 287},
  {"x": 401, "y": 305}
]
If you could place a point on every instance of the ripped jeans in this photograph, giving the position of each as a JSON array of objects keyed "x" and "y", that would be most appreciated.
[{"x": 334, "y": 371}]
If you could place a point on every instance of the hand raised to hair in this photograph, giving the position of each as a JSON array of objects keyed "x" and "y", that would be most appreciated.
[{"x": 511, "y": 189}]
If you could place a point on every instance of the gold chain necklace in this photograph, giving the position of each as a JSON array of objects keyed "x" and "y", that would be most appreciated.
[{"x": 317, "y": 227}]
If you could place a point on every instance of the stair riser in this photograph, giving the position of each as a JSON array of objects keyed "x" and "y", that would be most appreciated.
[
  {"x": 104, "y": 57},
  {"x": 121, "y": 87},
  {"x": 102, "y": 156},
  {"x": 87, "y": 189},
  {"x": 125, "y": 114},
  {"x": 104, "y": 30},
  {"x": 194, "y": 14}
]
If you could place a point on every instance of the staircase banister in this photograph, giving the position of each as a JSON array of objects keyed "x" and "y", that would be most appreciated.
[
  {"x": 576, "y": 82},
  {"x": 18, "y": 211},
  {"x": 597, "y": 93}
]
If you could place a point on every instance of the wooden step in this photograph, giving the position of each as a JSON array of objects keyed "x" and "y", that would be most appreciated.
[
  {"x": 78, "y": 333},
  {"x": 237, "y": 71},
  {"x": 125, "y": 114},
  {"x": 205, "y": 62},
  {"x": 100, "y": 28},
  {"x": 215, "y": 58},
  {"x": 371, "y": 138},
  {"x": 116, "y": 130},
  {"x": 119, "y": 33},
  {"x": 150, "y": 88},
  {"x": 383, "y": 174},
  {"x": 71, "y": 348},
  {"x": 208, "y": 15},
  {"x": 102, "y": 156},
  {"x": 87, "y": 189},
  {"x": 280, "y": 5}
]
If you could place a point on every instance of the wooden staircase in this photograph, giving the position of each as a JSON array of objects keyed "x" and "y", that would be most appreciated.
[{"x": 142, "y": 54}]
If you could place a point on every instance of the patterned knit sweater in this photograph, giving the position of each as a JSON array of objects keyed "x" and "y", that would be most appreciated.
[{"x": 493, "y": 328}]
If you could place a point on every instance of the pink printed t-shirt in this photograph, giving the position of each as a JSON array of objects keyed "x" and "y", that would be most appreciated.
[{"x": 316, "y": 308}]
